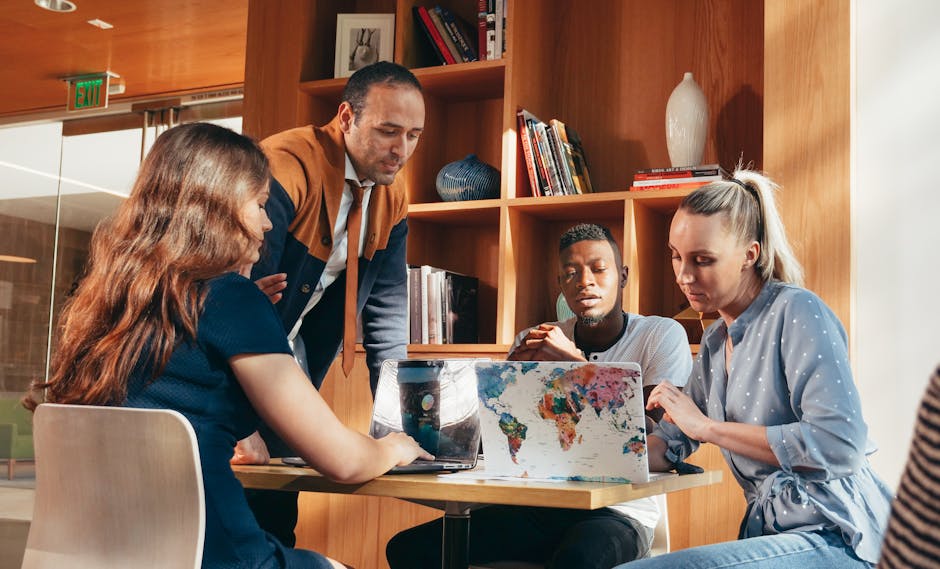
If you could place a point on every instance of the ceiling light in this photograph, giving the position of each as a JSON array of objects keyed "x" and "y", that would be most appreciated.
[
  {"x": 98, "y": 23},
  {"x": 57, "y": 5},
  {"x": 15, "y": 259}
]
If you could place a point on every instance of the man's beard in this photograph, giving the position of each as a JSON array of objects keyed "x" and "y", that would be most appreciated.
[{"x": 590, "y": 320}]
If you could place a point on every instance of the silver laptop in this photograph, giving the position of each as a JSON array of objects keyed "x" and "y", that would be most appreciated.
[
  {"x": 563, "y": 420},
  {"x": 435, "y": 402}
]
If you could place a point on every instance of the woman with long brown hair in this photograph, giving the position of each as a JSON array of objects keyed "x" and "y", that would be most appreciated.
[{"x": 165, "y": 318}]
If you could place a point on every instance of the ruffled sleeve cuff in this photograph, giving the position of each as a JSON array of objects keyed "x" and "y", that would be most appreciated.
[{"x": 778, "y": 444}]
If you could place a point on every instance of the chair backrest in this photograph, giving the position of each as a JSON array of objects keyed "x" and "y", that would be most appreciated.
[{"x": 115, "y": 488}]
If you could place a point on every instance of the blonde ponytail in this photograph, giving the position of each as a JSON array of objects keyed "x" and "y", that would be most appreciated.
[{"x": 748, "y": 202}]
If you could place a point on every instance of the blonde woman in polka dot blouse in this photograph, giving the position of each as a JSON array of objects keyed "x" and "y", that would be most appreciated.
[{"x": 772, "y": 387}]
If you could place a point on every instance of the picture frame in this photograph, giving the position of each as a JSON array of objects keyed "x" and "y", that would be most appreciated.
[{"x": 363, "y": 39}]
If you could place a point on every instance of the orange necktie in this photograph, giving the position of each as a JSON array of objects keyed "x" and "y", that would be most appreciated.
[{"x": 353, "y": 227}]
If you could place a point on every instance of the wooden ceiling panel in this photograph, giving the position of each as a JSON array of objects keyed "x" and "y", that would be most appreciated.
[{"x": 156, "y": 46}]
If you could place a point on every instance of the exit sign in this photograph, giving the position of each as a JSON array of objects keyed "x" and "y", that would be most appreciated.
[{"x": 88, "y": 92}]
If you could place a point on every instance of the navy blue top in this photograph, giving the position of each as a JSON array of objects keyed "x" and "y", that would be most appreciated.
[{"x": 199, "y": 383}]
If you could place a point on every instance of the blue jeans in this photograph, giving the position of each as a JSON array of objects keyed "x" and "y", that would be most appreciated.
[{"x": 800, "y": 550}]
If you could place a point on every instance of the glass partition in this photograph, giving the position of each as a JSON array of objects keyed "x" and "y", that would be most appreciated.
[{"x": 56, "y": 183}]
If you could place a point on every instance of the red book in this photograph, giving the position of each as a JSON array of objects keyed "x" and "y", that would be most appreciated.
[
  {"x": 526, "y": 141},
  {"x": 682, "y": 186},
  {"x": 438, "y": 40}
]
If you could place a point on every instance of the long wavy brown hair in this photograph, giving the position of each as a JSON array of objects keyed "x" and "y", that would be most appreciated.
[{"x": 149, "y": 264}]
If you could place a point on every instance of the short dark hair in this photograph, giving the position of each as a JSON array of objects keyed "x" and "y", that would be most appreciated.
[
  {"x": 385, "y": 72},
  {"x": 588, "y": 232}
]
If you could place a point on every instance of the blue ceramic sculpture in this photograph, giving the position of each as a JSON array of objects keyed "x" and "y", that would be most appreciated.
[{"x": 468, "y": 179}]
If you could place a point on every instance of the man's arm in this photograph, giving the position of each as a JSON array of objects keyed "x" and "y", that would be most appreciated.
[{"x": 385, "y": 313}]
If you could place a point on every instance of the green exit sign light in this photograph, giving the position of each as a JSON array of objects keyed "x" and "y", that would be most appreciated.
[{"x": 88, "y": 92}]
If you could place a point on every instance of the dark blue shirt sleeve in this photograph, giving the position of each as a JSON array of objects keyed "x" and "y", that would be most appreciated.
[{"x": 237, "y": 318}]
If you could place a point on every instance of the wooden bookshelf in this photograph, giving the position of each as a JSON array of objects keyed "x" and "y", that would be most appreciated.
[{"x": 605, "y": 67}]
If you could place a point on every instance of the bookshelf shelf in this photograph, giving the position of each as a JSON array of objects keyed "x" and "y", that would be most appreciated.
[
  {"x": 478, "y": 212},
  {"x": 460, "y": 82}
]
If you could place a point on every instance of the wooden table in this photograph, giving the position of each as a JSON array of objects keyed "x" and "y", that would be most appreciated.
[{"x": 459, "y": 494}]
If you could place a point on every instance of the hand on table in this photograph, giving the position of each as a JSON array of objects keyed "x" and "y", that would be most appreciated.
[{"x": 251, "y": 450}]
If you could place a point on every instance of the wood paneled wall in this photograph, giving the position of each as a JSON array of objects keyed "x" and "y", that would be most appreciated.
[{"x": 807, "y": 121}]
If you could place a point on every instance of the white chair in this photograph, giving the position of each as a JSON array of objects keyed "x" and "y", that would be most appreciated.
[
  {"x": 659, "y": 547},
  {"x": 115, "y": 488}
]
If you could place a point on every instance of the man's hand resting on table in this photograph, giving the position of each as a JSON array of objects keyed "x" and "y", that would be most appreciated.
[{"x": 251, "y": 450}]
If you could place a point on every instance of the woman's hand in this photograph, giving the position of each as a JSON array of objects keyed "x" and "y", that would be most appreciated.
[
  {"x": 680, "y": 410},
  {"x": 251, "y": 450},
  {"x": 404, "y": 448},
  {"x": 273, "y": 285},
  {"x": 546, "y": 342}
]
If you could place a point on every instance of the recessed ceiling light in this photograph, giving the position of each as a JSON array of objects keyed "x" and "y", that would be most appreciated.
[
  {"x": 100, "y": 24},
  {"x": 15, "y": 259},
  {"x": 56, "y": 5}
]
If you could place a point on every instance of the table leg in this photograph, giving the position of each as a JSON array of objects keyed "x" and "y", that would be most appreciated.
[{"x": 455, "y": 550}]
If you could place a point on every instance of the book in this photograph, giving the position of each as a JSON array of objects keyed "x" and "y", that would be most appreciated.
[
  {"x": 432, "y": 47},
  {"x": 414, "y": 304},
  {"x": 454, "y": 26},
  {"x": 682, "y": 174},
  {"x": 442, "y": 306},
  {"x": 434, "y": 323},
  {"x": 554, "y": 157},
  {"x": 460, "y": 294},
  {"x": 491, "y": 30},
  {"x": 678, "y": 170},
  {"x": 662, "y": 181},
  {"x": 436, "y": 40},
  {"x": 481, "y": 29},
  {"x": 500, "y": 25},
  {"x": 547, "y": 160},
  {"x": 563, "y": 158},
  {"x": 579, "y": 157},
  {"x": 525, "y": 138},
  {"x": 669, "y": 186},
  {"x": 438, "y": 22},
  {"x": 423, "y": 272}
]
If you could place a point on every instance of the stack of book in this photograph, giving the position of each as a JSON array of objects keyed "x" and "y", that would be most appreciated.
[
  {"x": 491, "y": 28},
  {"x": 442, "y": 306},
  {"x": 678, "y": 178},
  {"x": 554, "y": 157},
  {"x": 447, "y": 35}
]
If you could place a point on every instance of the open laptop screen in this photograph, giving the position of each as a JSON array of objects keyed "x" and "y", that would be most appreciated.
[{"x": 433, "y": 401}]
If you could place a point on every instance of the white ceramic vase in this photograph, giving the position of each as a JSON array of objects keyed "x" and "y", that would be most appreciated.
[{"x": 686, "y": 123}]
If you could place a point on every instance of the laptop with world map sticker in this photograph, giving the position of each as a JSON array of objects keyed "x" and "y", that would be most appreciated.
[{"x": 563, "y": 420}]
